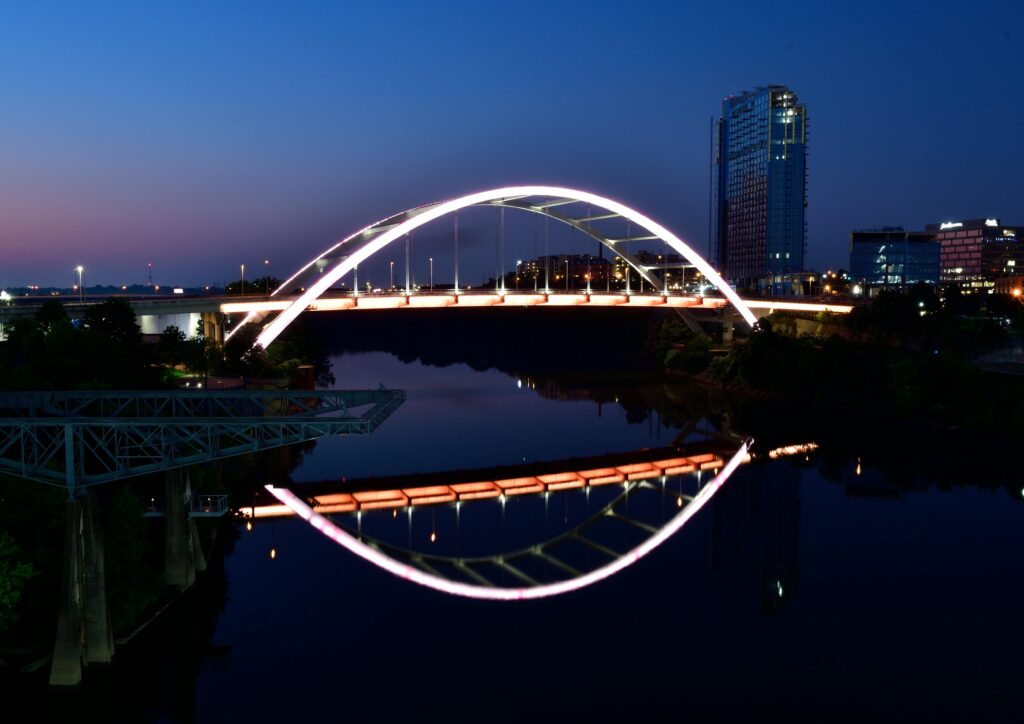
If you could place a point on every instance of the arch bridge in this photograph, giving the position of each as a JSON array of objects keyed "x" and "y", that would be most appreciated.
[{"x": 610, "y": 223}]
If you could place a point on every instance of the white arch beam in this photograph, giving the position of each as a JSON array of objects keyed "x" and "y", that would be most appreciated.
[
  {"x": 424, "y": 215},
  {"x": 479, "y": 591}
]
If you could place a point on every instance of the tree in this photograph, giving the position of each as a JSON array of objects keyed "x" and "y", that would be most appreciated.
[
  {"x": 171, "y": 345},
  {"x": 114, "y": 320},
  {"x": 14, "y": 574}
]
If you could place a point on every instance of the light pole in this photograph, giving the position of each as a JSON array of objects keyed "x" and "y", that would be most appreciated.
[
  {"x": 81, "y": 282},
  {"x": 431, "y": 273},
  {"x": 266, "y": 274},
  {"x": 243, "y": 278},
  {"x": 392, "y": 265},
  {"x": 567, "y": 274}
]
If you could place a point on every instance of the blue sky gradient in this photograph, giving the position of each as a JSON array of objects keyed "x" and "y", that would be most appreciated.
[{"x": 200, "y": 136}]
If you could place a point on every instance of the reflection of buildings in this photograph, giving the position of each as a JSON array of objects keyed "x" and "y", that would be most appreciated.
[{"x": 755, "y": 529}]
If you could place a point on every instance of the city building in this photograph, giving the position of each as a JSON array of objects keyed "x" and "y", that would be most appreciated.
[
  {"x": 976, "y": 252},
  {"x": 760, "y": 195},
  {"x": 890, "y": 257}
]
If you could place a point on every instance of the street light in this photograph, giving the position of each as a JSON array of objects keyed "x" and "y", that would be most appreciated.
[
  {"x": 243, "y": 278},
  {"x": 81, "y": 284},
  {"x": 431, "y": 273},
  {"x": 392, "y": 265},
  {"x": 266, "y": 274}
]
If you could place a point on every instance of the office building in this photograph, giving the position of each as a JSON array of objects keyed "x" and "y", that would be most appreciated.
[
  {"x": 976, "y": 252},
  {"x": 761, "y": 189},
  {"x": 893, "y": 258}
]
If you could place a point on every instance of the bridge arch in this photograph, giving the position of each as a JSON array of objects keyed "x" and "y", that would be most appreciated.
[
  {"x": 357, "y": 248},
  {"x": 379, "y": 557}
]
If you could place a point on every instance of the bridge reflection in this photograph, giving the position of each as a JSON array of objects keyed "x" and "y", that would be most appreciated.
[{"x": 619, "y": 514}]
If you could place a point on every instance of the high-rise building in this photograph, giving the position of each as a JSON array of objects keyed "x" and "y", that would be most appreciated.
[
  {"x": 976, "y": 252},
  {"x": 761, "y": 189}
]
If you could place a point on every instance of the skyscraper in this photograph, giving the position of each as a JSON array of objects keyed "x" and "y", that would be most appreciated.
[{"x": 761, "y": 189}]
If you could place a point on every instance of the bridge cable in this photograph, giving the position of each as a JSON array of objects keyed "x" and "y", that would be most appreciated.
[
  {"x": 456, "y": 252},
  {"x": 547, "y": 259},
  {"x": 408, "y": 286}
]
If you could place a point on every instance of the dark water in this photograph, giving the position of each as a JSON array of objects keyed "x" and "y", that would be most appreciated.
[{"x": 790, "y": 597}]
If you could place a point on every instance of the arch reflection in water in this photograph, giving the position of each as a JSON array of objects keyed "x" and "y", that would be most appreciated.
[{"x": 425, "y": 576}]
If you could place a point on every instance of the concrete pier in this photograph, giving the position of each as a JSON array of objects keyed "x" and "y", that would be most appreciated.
[
  {"x": 179, "y": 561},
  {"x": 99, "y": 635},
  {"x": 66, "y": 668}
]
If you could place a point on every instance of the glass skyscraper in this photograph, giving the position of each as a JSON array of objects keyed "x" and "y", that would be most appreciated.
[{"x": 761, "y": 189}]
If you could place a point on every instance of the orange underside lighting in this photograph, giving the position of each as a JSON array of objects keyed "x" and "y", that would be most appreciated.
[
  {"x": 511, "y": 483},
  {"x": 555, "y": 478},
  {"x": 478, "y": 300},
  {"x": 482, "y": 489},
  {"x": 430, "y": 495},
  {"x": 676, "y": 466},
  {"x": 476, "y": 491},
  {"x": 381, "y": 302},
  {"x": 566, "y": 300},
  {"x": 636, "y": 301},
  {"x": 331, "y": 305},
  {"x": 526, "y": 300},
  {"x": 607, "y": 300},
  {"x": 374, "y": 499},
  {"x": 684, "y": 302},
  {"x": 446, "y": 300}
]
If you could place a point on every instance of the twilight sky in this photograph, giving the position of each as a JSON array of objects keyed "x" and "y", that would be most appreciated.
[{"x": 200, "y": 136}]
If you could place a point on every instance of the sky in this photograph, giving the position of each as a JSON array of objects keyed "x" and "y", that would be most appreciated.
[{"x": 201, "y": 136}]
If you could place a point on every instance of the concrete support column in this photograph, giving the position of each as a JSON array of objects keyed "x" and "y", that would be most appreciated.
[
  {"x": 179, "y": 564},
  {"x": 99, "y": 636},
  {"x": 213, "y": 327},
  {"x": 66, "y": 668},
  {"x": 197, "y": 546},
  {"x": 727, "y": 329}
]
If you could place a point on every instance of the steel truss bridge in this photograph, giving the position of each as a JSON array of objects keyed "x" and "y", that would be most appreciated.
[{"x": 79, "y": 439}]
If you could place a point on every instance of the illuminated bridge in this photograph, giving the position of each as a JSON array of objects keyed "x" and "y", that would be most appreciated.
[
  {"x": 611, "y": 224},
  {"x": 576, "y": 557}
]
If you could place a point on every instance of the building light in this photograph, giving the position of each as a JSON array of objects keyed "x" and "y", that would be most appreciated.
[
  {"x": 951, "y": 225},
  {"x": 991, "y": 222}
]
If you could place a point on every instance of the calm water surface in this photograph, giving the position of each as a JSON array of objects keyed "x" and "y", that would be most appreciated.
[{"x": 789, "y": 597}]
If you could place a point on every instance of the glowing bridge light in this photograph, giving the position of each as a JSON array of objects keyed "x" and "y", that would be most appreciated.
[
  {"x": 457, "y": 588},
  {"x": 365, "y": 245}
]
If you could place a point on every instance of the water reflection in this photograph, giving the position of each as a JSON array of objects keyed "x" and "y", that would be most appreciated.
[{"x": 462, "y": 576}]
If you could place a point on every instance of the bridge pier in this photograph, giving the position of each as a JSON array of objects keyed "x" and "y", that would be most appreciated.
[
  {"x": 213, "y": 327},
  {"x": 179, "y": 560},
  {"x": 84, "y": 634},
  {"x": 66, "y": 667},
  {"x": 99, "y": 638}
]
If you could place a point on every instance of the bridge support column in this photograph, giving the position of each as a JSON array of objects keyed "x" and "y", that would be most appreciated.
[
  {"x": 99, "y": 636},
  {"x": 66, "y": 667},
  {"x": 727, "y": 329},
  {"x": 179, "y": 563},
  {"x": 213, "y": 327}
]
